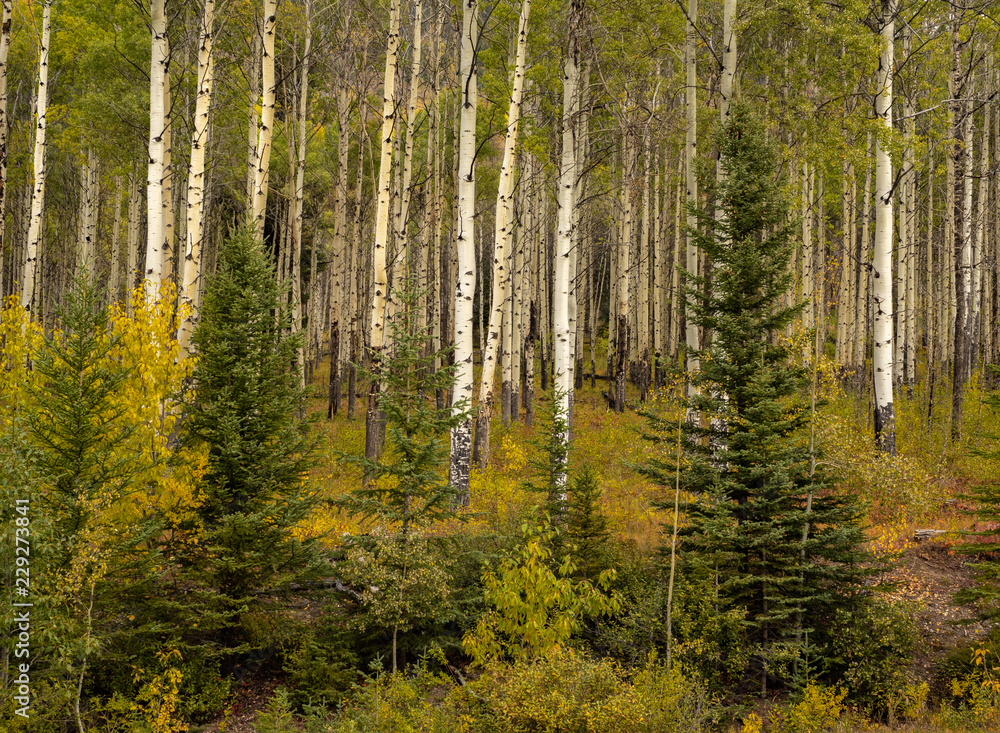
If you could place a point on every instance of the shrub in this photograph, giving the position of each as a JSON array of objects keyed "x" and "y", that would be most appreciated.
[{"x": 868, "y": 652}]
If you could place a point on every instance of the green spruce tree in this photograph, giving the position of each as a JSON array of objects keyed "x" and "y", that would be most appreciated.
[
  {"x": 247, "y": 410},
  {"x": 763, "y": 526}
]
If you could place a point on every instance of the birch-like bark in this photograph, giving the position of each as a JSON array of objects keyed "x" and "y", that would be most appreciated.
[
  {"x": 340, "y": 244},
  {"x": 380, "y": 282},
  {"x": 38, "y": 190},
  {"x": 502, "y": 240},
  {"x": 961, "y": 155},
  {"x": 87, "y": 224},
  {"x": 882, "y": 326},
  {"x": 864, "y": 271},
  {"x": 401, "y": 261},
  {"x": 265, "y": 130},
  {"x": 622, "y": 266},
  {"x": 562, "y": 302},
  {"x": 5, "y": 23},
  {"x": 461, "y": 434},
  {"x": 115, "y": 275},
  {"x": 191, "y": 272},
  {"x": 297, "y": 200},
  {"x": 691, "y": 338}
]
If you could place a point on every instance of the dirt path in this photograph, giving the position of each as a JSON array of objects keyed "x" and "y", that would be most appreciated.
[{"x": 928, "y": 576}]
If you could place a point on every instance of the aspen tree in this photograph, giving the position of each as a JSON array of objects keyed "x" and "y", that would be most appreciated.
[
  {"x": 461, "y": 435},
  {"x": 191, "y": 272},
  {"x": 114, "y": 276},
  {"x": 502, "y": 240},
  {"x": 380, "y": 284},
  {"x": 87, "y": 224},
  {"x": 961, "y": 156},
  {"x": 38, "y": 190},
  {"x": 5, "y": 23},
  {"x": 265, "y": 129},
  {"x": 401, "y": 260},
  {"x": 297, "y": 199},
  {"x": 337, "y": 301},
  {"x": 882, "y": 329},
  {"x": 691, "y": 338},
  {"x": 862, "y": 319},
  {"x": 622, "y": 267}
]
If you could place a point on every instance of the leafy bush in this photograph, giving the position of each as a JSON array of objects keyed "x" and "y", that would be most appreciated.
[
  {"x": 868, "y": 652},
  {"x": 570, "y": 692},
  {"x": 322, "y": 665},
  {"x": 818, "y": 710}
]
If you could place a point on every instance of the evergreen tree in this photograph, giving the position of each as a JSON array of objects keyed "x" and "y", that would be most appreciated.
[
  {"x": 586, "y": 525},
  {"x": 406, "y": 485},
  {"x": 782, "y": 548},
  {"x": 986, "y": 499},
  {"x": 246, "y": 410}
]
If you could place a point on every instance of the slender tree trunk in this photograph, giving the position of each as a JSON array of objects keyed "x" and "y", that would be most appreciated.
[
  {"x": 882, "y": 331},
  {"x": 262, "y": 151},
  {"x": 692, "y": 340},
  {"x": 38, "y": 191},
  {"x": 503, "y": 238},
  {"x": 562, "y": 334},
  {"x": 461, "y": 435},
  {"x": 5, "y": 23},
  {"x": 191, "y": 273},
  {"x": 380, "y": 282}
]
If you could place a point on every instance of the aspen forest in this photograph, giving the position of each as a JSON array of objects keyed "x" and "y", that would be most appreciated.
[{"x": 499, "y": 366}]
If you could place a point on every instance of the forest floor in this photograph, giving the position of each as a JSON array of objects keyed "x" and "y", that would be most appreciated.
[{"x": 927, "y": 577}]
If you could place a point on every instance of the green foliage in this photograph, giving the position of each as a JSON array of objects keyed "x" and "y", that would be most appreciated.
[
  {"x": 534, "y": 610},
  {"x": 586, "y": 526},
  {"x": 406, "y": 485},
  {"x": 572, "y": 693},
  {"x": 870, "y": 647},
  {"x": 277, "y": 716},
  {"x": 67, "y": 450},
  {"x": 818, "y": 710},
  {"x": 985, "y": 498},
  {"x": 246, "y": 413},
  {"x": 322, "y": 666},
  {"x": 778, "y": 546}
]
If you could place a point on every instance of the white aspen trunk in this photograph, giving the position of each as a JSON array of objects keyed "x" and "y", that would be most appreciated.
[
  {"x": 645, "y": 256},
  {"x": 115, "y": 275},
  {"x": 847, "y": 268},
  {"x": 38, "y": 191},
  {"x": 168, "y": 174},
  {"x": 338, "y": 302},
  {"x": 661, "y": 266},
  {"x": 622, "y": 268},
  {"x": 676, "y": 296},
  {"x": 691, "y": 338},
  {"x": 502, "y": 240},
  {"x": 262, "y": 151},
  {"x": 253, "y": 96},
  {"x": 962, "y": 224},
  {"x": 132, "y": 239},
  {"x": 380, "y": 282},
  {"x": 461, "y": 435},
  {"x": 882, "y": 328},
  {"x": 978, "y": 250},
  {"x": 402, "y": 258},
  {"x": 155, "y": 234},
  {"x": 87, "y": 225},
  {"x": 865, "y": 269},
  {"x": 297, "y": 201},
  {"x": 5, "y": 23},
  {"x": 191, "y": 271},
  {"x": 808, "y": 255}
]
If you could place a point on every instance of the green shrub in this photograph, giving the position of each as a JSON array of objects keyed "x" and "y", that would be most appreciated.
[
  {"x": 868, "y": 653},
  {"x": 322, "y": 667},
  {"x": 572, "y": 693}
]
